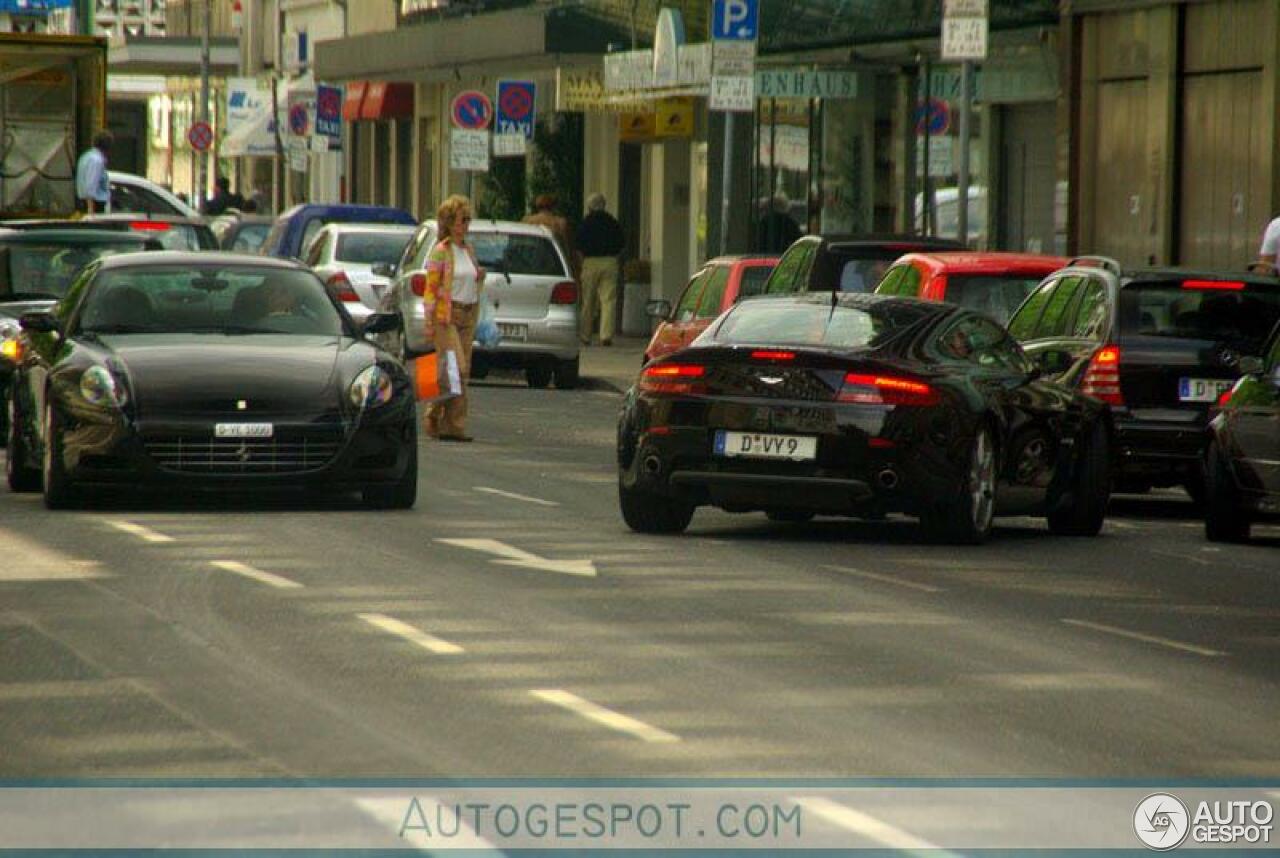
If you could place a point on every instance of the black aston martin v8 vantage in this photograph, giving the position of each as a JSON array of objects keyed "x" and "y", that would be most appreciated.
[
  {"x": 210, "y": 370},
  {"x": 860, "y": 405}
]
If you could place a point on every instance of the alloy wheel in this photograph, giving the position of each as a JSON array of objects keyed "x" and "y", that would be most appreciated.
[{"x": 982, "y": 481}]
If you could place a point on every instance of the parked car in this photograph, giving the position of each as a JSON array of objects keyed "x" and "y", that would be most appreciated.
[
  {"x": 36, "y": 269},
  {"x": 169, "y": 231},
  {"x": 297, "y": 397},
  {"x": 534, "y": 296},
  {"x": 860, "y": 405},
  {"x": 848, "y": 263},
  {"x": 1159, "y": 346},
  {"x": 138, "y": 195},
  {"x": 1242, "y": 463},
  {"x": 991, "y": 283},
  {"x": 242, "y": 233},
  {"x": 715, "y": 288},
  {"x": 343, "y": 255},
  {"x": 291, "y": 234}
]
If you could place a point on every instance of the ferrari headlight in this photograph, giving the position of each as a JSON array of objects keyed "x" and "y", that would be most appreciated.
[
  {"x": 10, "y": 346},
  {"x": 371, "y": 388},
  {"x": 99, "y": 387}
]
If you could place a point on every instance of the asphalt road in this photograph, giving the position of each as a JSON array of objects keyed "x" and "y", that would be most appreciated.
[{"x": 511, "y": 625}]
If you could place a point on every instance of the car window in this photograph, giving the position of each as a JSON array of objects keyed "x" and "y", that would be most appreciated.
[
  {"x": 785, "y": 279},
  {"x": 46, "y": 270},
  {"x": 1241, "y": 317},
  {"x": 889, "y": 283},
  {"x": 231, "y": 300},
  {"x": 131, "y": 198},
  {"x": 309, "y": 231},
  {"x": 864, "y": 275},
  {"x": 994, "y": 295},
  {"x": 271, "y": 244},
  {"x": 1023, "y": 323},
  {"x": 713, "y": 293},
  {"x": 517, "y": 253},
  {"x": 250, "y": 237},
  {"x": 817, "y": 323},
  {"x": 315, "y": 250},
  {"x": 753, "y": 281},
  {"x": 1091, "y": 317},
  {"x": 979, "y": 341},
  {"x": 1053, "y": 322},
  {"x": 687, "y": 306},
  {"x": 370, "y": 248}
]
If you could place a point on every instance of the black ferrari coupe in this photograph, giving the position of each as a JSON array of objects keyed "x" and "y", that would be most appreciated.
[
  {"x": 209, "y": 370},
  {"x": 861, "y": 405}
]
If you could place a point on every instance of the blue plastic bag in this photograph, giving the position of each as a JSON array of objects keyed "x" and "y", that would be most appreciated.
[{"x": 487, "y": 333}]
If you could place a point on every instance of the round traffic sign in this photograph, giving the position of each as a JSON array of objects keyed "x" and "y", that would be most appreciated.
[
  {"x": 934, "y": 115},
  {"x": 471, "y": 109},
  {"x": 299, "y": 121},
  {"x": 516, "y": 103},
  {"x": 200, "y": 135}
]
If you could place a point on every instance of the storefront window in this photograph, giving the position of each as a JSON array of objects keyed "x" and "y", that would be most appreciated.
[{"x": 782, "y": 168}]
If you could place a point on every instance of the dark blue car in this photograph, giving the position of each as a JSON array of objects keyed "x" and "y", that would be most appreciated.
[{"x": 293, "y": 229}]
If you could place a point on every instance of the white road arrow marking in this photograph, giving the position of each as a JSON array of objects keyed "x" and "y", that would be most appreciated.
[{"x": 511, "y": 556}]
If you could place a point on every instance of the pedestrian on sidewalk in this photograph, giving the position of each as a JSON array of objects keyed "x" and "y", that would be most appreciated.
[
  {"x": 1267, "y": 254},
  {"x": 544, "y": 214},
  {"x": 93, "y": 187},
  {"x": 600, "y": 240},
  {"x": 454, "y": 282}
]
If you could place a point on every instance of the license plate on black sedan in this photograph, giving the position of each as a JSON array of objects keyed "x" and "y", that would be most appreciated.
[
  {"x": 243, "y": 430},
  {"x": 760, "y": 445}
]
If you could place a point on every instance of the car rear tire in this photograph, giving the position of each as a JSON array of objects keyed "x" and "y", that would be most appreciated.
[
  {"x": 59, "y": 492},
  {"x": 646, "y": 512},
  {"x": 967, "y": 519},
  {"x": 22, "y": 477},
  {"x": 791, "y": 516},
  {"x": 402, "y": 494},
  {"x": 566, "y": 374},
  {"x": 1090, "y": 489},
  {"x": 1224, "y": 520},
  {"x": 538, "y": 375}
]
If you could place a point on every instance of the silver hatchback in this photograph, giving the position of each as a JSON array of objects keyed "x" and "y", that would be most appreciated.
[
  {"x": 346, "y": 256},
  {"x": 534, "y": 296}
]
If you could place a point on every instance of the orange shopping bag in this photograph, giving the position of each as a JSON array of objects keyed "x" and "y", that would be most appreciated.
[{"x": 436, "y": 377}]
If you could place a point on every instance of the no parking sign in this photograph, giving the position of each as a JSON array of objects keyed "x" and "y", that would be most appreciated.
[{"x": 515, "y": 113}]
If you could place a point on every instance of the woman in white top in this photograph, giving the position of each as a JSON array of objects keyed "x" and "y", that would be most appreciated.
[{"x": 454, "y": 281}]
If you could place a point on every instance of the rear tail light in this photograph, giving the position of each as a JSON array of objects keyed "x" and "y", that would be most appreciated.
[
  {"x": 418, "y": 283},
  {"x": 869, "y": 389},
  {"x": 1213, "y": 285},
  {"x": 762, "y": 354},
  {"x": 684, "y": 378},
  {"x": 11, "y": 350},
  {"x": 1102, "y": 378},
  {"x": 564, "y": 293},
  {"x": 1225, "y": 397},
  {"x": 342, "y": 289},
  {"x": 149, "y": 226}
]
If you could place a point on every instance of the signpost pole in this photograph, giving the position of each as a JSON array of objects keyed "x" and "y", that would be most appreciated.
[
  {"x": 962, "y": 185},
  {"x": 726, "y": 182},
  {"x": 204, "y": 97}
]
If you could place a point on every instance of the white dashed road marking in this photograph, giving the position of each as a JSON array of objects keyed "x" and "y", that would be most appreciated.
[
  {"x": 606, "y": 717},
  {"x": 146, "y": 534},
  {"x": 415, "y": 636},
  {"x": 886, "y": 579},
  {"x": 867, "y": 826},
  {"x": 514, "y": 496},
  {"x": 258, "y": 575},
  {"x": 1151, "y": 639}
]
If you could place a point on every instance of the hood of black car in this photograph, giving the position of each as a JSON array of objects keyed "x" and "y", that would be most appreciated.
[{"x": 175, "y": 374}]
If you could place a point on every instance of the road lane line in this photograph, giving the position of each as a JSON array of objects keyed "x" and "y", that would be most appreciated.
[
  {"x": 514, "y": 496},
  {"x": 258, "y": 575},
  {"x": 144, "y": 533},
  {"x": 867, "y": 826},
  {"x": 606, "y": 717},
  {"x": 886, "y": 579},
  {"x": 1151, "y": 639},
  {"x": 415, "y": 636}
]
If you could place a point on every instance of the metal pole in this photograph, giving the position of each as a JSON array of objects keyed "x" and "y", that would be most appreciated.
[
  {"x": 726, "y": 182},
  {"x": 204, "y": 94},
  {"x": 962, "y": 189}
]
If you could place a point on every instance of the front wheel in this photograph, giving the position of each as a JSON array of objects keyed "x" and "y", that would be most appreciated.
[
  {"x": 59, "y": 492},
  {"x": 1224, "y": 520},
  {"x": 967, "y": 519},
  {"x": 646, "y": 512},
  {"x": 403, "y": 493},
  {"x": 22, "y": 477},
  {"x": 1090, "y": 490}
]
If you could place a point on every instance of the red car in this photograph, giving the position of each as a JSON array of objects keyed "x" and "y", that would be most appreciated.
[
  {"x": 714, "y": 289},
  {"x": 991, "y": 283}
]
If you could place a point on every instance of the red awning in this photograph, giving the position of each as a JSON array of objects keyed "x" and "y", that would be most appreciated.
[
  {"x": 355, "y": 96},
  {"x": 387, "y": 100}
]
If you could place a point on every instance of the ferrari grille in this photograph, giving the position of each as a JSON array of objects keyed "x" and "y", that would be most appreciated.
[{"x": 196, "y": 453}]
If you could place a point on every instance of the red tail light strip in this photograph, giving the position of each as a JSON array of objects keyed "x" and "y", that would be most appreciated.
[
  {"x": 762, "y": 354},
  {"x": 418, "y": 283},
  {"x": 564, "y": 293},
  {"x": 1214, "y": 285},
  {"x": 1102, "y": 378},
  {"x": 886, "y": 390},
  {"x": 675, "y": 378},
  {"x": 342, "y": 289}
]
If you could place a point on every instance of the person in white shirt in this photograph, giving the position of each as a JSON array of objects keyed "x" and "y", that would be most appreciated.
[
  {"x": 93, "y": 188},
  {"x": 1266, "y": 263}
]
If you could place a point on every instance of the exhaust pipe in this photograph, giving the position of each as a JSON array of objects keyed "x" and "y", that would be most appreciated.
[
  {"x": 652, "y": 465},
  {"x": 888, "y": 479}
]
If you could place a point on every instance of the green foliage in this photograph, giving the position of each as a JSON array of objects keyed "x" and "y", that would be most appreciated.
[
  {"x": 556, "y": 163},
  {"x": 500, "y": 192}
]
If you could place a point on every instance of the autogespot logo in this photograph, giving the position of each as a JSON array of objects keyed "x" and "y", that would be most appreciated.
[{"x": 1161, "y": 821}]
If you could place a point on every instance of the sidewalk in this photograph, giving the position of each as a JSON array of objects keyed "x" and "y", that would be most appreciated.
[{"x": 613, "y": 368}]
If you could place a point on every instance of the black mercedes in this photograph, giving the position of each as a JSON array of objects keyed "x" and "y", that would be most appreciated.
[
  {"x": 210, "y": 370},
  {"x": 852, "y": 404}
]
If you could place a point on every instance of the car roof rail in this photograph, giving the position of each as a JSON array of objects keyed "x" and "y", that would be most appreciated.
[{"x": 1104, "y": 262}]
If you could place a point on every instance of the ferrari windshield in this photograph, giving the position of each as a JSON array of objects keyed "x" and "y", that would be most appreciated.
[{"x": 230, "y": 300}]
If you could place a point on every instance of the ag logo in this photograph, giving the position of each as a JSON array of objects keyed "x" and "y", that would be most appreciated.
[{"x": 1161, "y": 821}]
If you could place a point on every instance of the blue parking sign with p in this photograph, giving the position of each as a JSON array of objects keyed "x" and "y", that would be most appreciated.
[{"x": 737, "y": 20}]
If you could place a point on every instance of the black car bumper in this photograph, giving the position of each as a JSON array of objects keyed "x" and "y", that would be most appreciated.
[
  {"x": 101, "y": 450},
  {"x": 1161, "y": 451}
]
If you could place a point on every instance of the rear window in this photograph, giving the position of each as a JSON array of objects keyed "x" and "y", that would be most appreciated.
[
  {"x": 250, "y": 237},
  {"x": 517, "y": 254},
  {"x": 178, "y": 236},
  {"x": 992, "y": 295},
  {"x": 32, "y": 272},
  {"x": 816, "y": 324},
  {"x": 371, "y": 248},
  {"x": 1242, "y": 317},
  {"x": 753, "y": 280}
]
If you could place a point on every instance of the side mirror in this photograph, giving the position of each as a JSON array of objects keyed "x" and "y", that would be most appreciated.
[
  {"x": 384, "y": 269},
  {"x": 381, "y": 323},
  {"x": 39, "y": 322},
  {"x": 658, "y": 308},
  {"x": 1250, "y": 365}
]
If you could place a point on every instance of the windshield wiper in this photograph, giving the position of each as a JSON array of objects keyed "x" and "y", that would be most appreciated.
[{"x": 31, "y": 296}]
